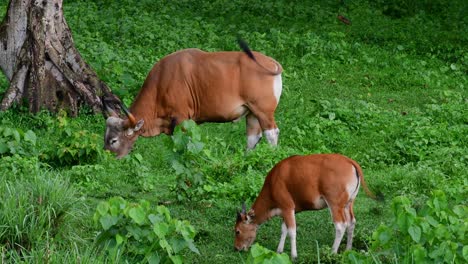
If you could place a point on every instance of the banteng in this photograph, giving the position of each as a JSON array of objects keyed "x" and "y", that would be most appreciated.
[
  {"x": 301, "y": 183},
  {"x": 205, "y": 87}
]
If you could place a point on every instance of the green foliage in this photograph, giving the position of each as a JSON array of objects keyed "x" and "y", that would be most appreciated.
[
  {"x": 187, "y": 160},
  {"x": 15, "y": 141},
  {"x": 75, "y": 145},
  {"x": 142, "y": 174},
  {"x": 434, "y": 233},
  {"x": 139, "y": 232},
  {"x": 261, "y": 255},
  {"x": 17, "y": 167}
]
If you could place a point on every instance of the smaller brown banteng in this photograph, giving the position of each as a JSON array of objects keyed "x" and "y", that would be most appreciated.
[{"x": 301, "y": 183}]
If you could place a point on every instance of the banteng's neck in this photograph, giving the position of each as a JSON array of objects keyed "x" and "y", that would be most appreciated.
[
  {"x": 144, "y": 107},
  {"x": 264, "y": 207}
]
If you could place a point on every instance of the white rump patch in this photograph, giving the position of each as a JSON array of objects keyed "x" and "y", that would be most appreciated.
[
  {"x": 277, "y": 87},
  {"x": 353, "y": 186}
]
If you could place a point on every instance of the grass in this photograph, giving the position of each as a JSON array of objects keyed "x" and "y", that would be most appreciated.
[{"x": 388, "y": 91}]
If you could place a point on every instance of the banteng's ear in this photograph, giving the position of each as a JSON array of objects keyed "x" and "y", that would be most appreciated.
[
  {"x": 250, "y": 215},
  {"x": 139, "y": 125}
]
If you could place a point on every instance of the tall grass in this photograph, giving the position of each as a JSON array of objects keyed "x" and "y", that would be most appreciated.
[{"x": 38, "y": 209}]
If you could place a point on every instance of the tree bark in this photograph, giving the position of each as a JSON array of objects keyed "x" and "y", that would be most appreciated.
[{"x": 39, "y": 58}]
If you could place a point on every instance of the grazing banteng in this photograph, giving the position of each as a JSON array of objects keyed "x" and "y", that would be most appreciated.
[
  {"x": 301, "y": 183},
  {"x": 205, "y": 87}
]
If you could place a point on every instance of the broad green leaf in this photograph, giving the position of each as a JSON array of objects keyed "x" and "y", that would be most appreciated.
[
  {"x": 155, "y": 218},
  {"x": 177, "y": 259},
  {"x": 119, "y": 239},
  {"x": 177, "y": 244},
  {"x": 138, "y": 157},
  {"x": 419, "y": 254},
  {"x": 154, "y": 258},
  {"x": 160, "y": 229},
  {"x": 178, "y": 167},
  {"x": 137, "y": 214},
  {"x": 280, "y": 259},
  {"x": 257, "y": 250},
  {"x": 103, "y": 208},
  {"x": 164, "y": 211},
  {"x": 415, "y": 233},
  {"x": 16, "y": 135},
  {"x": 108, "y": 221},
  {"x": 192, "y": 247},
  {"x": 165, "y": 245},
  {"x": 30, "y": 136}
]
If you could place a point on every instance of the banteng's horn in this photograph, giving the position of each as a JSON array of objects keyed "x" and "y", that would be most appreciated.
[
  {"x": 243, "y": 208},
  {"x": 106, "y": 110},
  {"x": 131, "y": 118}
]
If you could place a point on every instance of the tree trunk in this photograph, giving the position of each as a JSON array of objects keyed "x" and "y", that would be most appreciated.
[{"x": 38, "y": 57}]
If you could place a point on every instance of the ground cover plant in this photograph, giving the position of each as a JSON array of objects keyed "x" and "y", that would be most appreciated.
[{"x": 388, "y": 90}]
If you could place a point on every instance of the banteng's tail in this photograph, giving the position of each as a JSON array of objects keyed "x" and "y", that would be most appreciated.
[
  {"x": 243, "y": 45},
  {"x": 379, "y": 196}
]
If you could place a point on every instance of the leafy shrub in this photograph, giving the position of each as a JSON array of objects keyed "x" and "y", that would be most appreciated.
[
  {"x": 243, "y": 187},
  {"x": 36, "y": 208},
  {"x": 139, "y": 232},
  {"x": 17, "y": 167},
  {"x": 87, "y": 177},
  {"x": 259, "y": 254},
  {"x": 75, "y": 146},
  {"x": 15, "y": 141},
  {"x": 142, "y": 175},
  {"x": 435, "y": 233},
  {"x": 187, "y": 160}
]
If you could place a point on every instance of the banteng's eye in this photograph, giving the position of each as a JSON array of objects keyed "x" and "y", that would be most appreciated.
[{"x": 112, "y": 141}]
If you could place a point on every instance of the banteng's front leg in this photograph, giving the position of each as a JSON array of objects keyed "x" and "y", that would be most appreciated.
[
  {"x": 290, "y": 222},
  {"x": 284, "y": 232}
]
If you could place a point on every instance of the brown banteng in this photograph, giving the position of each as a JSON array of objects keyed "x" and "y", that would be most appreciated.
[
  {"x": 301, "y": 183},
  {"x": 205, "y": 87}
]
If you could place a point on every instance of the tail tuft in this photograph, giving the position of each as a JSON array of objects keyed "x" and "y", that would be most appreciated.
[
  {"x": 380, "y": 196},
  {"x": 243, "y": 45}
]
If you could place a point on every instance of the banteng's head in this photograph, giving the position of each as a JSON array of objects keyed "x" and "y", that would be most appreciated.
[
  {"x": 246, "y": 229},
  {"x": 121, "y": 134}
]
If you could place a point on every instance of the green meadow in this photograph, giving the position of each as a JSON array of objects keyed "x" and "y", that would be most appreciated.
[{"x": 389, "y": 90}]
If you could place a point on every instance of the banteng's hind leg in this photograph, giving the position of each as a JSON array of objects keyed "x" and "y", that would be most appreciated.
[
  {"x": 268, "y": 125},
  {"x": 254, "y": 131},
  {"x": 351, "y": 224},
  {"x": 339, "y": 219}
]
